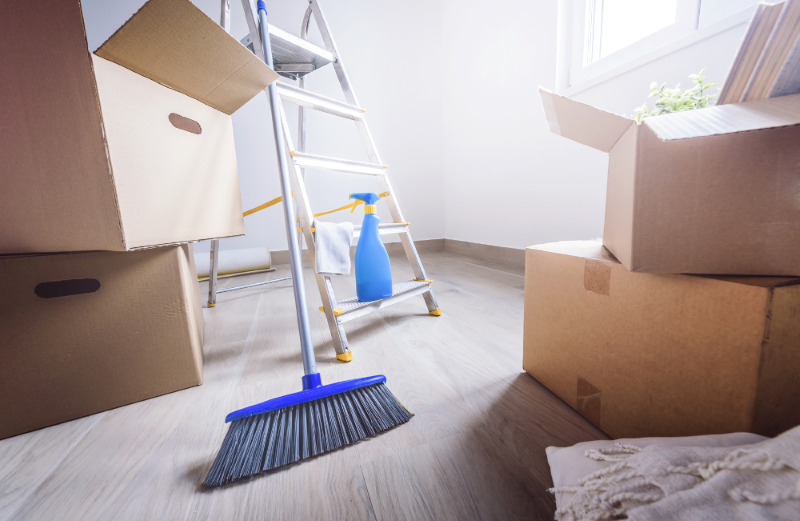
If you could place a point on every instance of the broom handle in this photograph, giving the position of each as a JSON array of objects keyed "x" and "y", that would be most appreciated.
[{"x": 306, "y": 344}]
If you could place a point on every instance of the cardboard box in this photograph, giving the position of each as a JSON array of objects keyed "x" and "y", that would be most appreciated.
[
  {"x": 642, "y": 354},
  {"x": 87, "y": 332},
  {"x": 129, "y": 148},
  {"x": 715, "y": 190}
]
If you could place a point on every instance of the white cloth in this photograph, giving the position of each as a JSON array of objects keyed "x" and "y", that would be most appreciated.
[
  {"x": 332, "y": 241},
  {"x": 568, "y": 465},
  {"x": 702, "y": 481}
]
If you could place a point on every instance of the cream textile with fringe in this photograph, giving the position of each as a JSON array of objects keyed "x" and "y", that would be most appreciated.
[{"x": 654, "y": 483}]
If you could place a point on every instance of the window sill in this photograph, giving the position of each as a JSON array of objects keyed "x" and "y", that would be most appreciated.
[{"x": 735, "y": 20}]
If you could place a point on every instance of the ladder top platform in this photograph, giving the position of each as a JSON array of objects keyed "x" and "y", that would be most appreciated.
[{"x": 293, "y": 57}]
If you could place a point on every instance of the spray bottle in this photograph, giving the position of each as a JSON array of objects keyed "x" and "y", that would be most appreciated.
[{"x": 373, "y": 271}]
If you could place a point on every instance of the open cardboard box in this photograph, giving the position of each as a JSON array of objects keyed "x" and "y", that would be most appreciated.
[
  {"x": 86, "y": 332},
  {"x": 648, "y": 354},
  {"x": 715, "y": 190},
  {"x": 129, "y": 148}
]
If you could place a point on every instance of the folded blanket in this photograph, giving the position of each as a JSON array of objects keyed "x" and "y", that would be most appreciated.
[
  {"x": 332, "y": 243},
  {"x": 569, "y": 465},
  {"x": 654, "y": 483}
]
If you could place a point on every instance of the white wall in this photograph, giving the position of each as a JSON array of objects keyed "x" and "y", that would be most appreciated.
[
  {"x": 508, "y": 180},
  {"x": 392, "y": 52}
]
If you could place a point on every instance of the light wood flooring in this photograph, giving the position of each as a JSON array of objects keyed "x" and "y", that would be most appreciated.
[{"x": 474, "y": 450}]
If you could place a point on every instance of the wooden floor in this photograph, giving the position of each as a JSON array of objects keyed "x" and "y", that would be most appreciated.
[{"x": 474, "y": 450}]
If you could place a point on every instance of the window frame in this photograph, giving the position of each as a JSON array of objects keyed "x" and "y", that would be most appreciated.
[
  {"x": 686, "y": 19},
  {"x": 572, "y": 77}
]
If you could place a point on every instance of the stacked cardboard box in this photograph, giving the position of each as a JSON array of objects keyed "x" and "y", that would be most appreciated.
[
  {"x": 621, "y": 332},
  {"x": 128, "y": 150}
]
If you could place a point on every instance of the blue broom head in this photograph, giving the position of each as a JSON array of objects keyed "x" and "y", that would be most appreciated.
[
  {"x": 312, "y": 390},
  {"x": 318, "y": 419}
]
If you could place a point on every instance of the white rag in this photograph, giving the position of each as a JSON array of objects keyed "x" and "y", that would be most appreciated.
[
  {"x": 332, "y": 241},
  {"x": 655, "y": 483}
]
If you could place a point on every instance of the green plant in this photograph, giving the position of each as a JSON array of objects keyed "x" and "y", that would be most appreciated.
[{"x": 673, "y": 100}]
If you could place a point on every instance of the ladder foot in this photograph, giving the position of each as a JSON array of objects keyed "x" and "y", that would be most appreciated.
[
  {"x": 345, "y": 357},
  {"x": 336, "y": 312},
  {"x": 435, "y": 312},
  {"x": 211, "y": 305}
]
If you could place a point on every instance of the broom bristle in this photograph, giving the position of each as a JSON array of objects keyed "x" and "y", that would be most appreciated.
[{"x": 277, "y": 438}]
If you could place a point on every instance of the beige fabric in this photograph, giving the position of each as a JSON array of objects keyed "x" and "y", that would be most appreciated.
[
  {"x": 568, "y": 464},
  {"x": 664, "y": 482}
]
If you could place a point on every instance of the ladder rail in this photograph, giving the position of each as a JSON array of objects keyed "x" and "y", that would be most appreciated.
[
  {"x": 330, "y": 44},
  {"x": 372, "y": 151},
  {"x": 301, "y": 114},
  {"x": 213, "y": 266},
  {"x": 225, "y": 15},
  {"x": 251, "y": 15},
  {"x": 213, "y": 271},
  {"x": 213, "y": 252},
  {"x": 306, "y": 217}
]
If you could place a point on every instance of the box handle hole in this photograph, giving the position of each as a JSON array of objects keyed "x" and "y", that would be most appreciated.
[
  {"x": 183, "y": 123},
  {"x": 65, "y": 288}
]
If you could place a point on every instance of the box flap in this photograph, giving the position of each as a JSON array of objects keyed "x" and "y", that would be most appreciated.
[
  {"x": 591, "y": 249},
  {"x": 583, "y": 123},
  {"x": 728, "y": 119},
  {"x": 176, "y": 44}
]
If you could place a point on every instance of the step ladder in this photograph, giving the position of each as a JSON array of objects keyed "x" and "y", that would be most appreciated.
[{"x": 294, "y": 58}]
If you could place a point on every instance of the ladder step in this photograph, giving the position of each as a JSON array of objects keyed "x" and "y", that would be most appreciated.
[
  {"x": 293, "y": 56},
  {"x": 317, "y": 102},
  {"x": 339, "y": 165},
  {"x": 383, "y": 229},
  {"x": 353, "y": 308}
]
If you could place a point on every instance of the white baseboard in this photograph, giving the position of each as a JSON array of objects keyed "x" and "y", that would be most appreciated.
[
  {"x": 235, "y": 261},
  {"x": 500, "y": 254}
]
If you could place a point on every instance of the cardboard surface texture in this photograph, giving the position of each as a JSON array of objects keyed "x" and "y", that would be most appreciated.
[
  {"x": 186, "y": 179},
  {"x": 176, "y": 44},
  {"x": 642, "y": 354},
  {"x": 87, "y": 332},
  {"x": 97, "y": 157},
  {"x": 715, "y": 190}
]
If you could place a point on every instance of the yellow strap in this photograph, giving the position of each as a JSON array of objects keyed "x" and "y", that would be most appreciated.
[
  {"x": 265, "y": 205},
  {"x": 352, "y": 206},
  {"x": 279, "y": 199}
]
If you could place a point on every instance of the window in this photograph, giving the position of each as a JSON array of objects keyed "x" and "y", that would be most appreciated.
[
  {"x": 608, "y": 33},
  {"x": 597, "y": 37},
  {"x": 616, "y": 24}
]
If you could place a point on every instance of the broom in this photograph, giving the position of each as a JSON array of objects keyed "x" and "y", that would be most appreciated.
[{"x": 320, "y": 418}]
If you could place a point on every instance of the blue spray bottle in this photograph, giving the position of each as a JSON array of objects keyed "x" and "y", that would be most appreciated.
[{"x": 373, "y": 271}]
